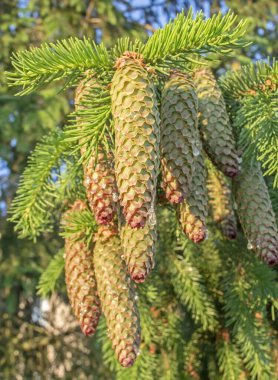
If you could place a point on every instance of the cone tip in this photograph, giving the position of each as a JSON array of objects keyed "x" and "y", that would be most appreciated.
[
  {"x": 139, "y": 277},
  {"x": 271, "y": 260},
  {"x": 128, "y": 361},
  {"x": 88, "y": 330}
]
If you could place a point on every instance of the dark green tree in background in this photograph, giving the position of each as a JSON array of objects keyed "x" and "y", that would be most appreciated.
[{"x": 34, "y": 345}]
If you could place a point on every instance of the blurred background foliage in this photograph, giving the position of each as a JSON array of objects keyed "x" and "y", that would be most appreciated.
[{"x": 34, "y": 346}]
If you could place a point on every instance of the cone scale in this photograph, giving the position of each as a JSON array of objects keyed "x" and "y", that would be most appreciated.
[
  {"x": 180, "y": 140},
  {"x": 136, "y": 120},
  {"x": 117, "y": 296},
  {"x": 80, "y": 280},
  {"x": 215, "y": 128}
]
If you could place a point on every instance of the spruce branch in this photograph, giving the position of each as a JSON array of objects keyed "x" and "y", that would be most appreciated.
[
  {"x": 54, "y": 61},
  {"x": 79, "y": 226},
  {"x": 189, "y": 287},
  {"x": 49, "y": 278},
  {"x": 250, "y": 335},
  {"x": 259, "y": 76},
  {"x": 251, "y": 94},
  {"x": 91, "y": 124},
  {"x": 175, "y": 43},
  {"x": 185, "y": 35},
  {"x": 194, "y": 353},
  {"x": 35, "y": 200},
  {"x": 257, "y": 124},
  {"x": 229, "y": 361}
]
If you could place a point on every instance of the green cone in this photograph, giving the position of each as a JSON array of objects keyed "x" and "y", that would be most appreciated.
[
  {"x": 180, "y": 142},
  {"x": 117, "y": 296},
  {"x": 80, "y": 280},
  {"x": 193, "y": 211},
  {"x": 136, "y": 120},
  {"x": 221, "y": 203},
  {"x": 255, "y": 212},
  {"x": 216, "y": 130}
]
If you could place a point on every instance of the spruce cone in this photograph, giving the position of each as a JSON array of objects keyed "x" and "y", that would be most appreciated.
[
  {"x": 117, "y": 296},
  {"x": 180, "y": 142},
  {"x": 139, "y": 249},
  {"x": 136, "y": 117},
  {"x": 99, "y": 177},
  {"x": 80, "y": 280},
  {"x": 193, "y": 211},
  {"x": 256, "y": 214},
  {"x": 216, "y": 130},
  {"x": 220, "y": 200},
  {"x": 101, "y": 187}
]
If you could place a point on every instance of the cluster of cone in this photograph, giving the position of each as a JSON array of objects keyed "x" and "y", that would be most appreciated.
[{"x": 190, "y": 138}]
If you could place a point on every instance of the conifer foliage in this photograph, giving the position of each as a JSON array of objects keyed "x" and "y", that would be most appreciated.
[{"x": 148, "y": 114}]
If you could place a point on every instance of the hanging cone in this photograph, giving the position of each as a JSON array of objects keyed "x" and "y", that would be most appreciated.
[
  {"x": 99, "y": 177},
  {"x": 80, "y": 279},
  {"x": 255, "y": 213},
  {"x": 221, "y": 203},
  {"x": 193, "y": 211},
  {"x": 139, "y": 246},
  {"x": 216, "y": 130},
  {"x": 117, "y": 296},
  {"x": 101, "y": 187},
  {"x": 180, "y": 141},
  {"x": 136, "y": 119}
]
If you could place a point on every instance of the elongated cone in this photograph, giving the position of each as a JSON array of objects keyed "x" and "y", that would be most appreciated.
[
  {"x": 117, "y": 296},
  {"x": 136, "y": 118},
  {"x": 193, "y": 211},
  {"x": 99, "y": 177},
  {"x": 221, "y": 203},
  {"x": 255, "y": 212},
  {"x": 180, "y": 141},
  {"x": 80, "y": 279},
  {"x": 216, "y": 130},
  {"x": 139, "y": 245}
]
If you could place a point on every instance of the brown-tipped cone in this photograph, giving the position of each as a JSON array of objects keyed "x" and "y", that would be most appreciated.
[
  {"x": 80, "y": 279},
  {"x": 139, "y": 245},
  {"x": 99, "y": 176},
  {"x": 193, "y": 211},
  {"x": 101, "y": 187},
  {"x": 255, "y": 212},
  {"x": 117, "y": 296},
  {"x": 221, "y": 203},
  {"x": 180, "y": 141},
  {"x": 214, "y": 124},
  {"x": 136, "y": 120}
]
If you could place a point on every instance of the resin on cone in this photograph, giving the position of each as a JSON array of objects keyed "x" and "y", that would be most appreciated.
[
  {"x": 180, "y": 141},
  {"x": 221, "y": 202},
  {"x": 214, "y": 124},
  {"x": 139, "y": 245},
  {"x": 99, "y": 176},
  {"x": 255, "y": 212},
  {"x": 117, "y": 295},
  {"x": 80, "y": 279},
  {"x": 193, "y": 211},
  {"x": 136, "y": 120}
]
